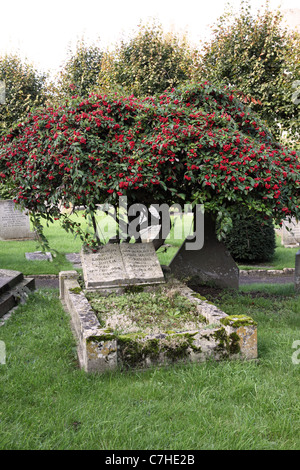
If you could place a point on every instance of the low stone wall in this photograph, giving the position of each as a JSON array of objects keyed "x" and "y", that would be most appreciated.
[
  {"x": 100, "y": 350},
  {"x": 267, "y": 272}
]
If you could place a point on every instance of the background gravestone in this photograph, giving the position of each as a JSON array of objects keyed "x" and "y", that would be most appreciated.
[
  {"x": 14, "y": 224},
  {"x": 290, "y": 237},
  {"x": 213, "y": 263}
]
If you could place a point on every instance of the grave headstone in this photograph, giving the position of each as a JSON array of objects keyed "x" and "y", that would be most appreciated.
[
  {"x": 121, "y": 265},
  {"x": 290, "y": 233},
  {"x": 14, "y": 224},
  {"x": 213, "y": 263}
]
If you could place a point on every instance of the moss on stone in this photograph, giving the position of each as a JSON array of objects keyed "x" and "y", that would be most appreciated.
[
  {"x": 238, "y": 320},
  {"x": 76, "y": 290},
  {"x": 234, "y": 343},
  {"x": 133, "y": 289},
  {"x": 134, "y": 349},
  {"x": 100, "y": 338},
  {"x": 227, "y": 344},
  {"x": 198, "y": 296}
]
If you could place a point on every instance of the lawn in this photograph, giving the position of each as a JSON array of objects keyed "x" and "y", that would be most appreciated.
[
  {"x": 12, "y": 253},
  {"x": 283, "y": 258},
  {"x": 46, "y": 402}
]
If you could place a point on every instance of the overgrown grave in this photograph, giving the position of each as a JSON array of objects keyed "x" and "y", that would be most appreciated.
[{"x": 126, "y": 314}]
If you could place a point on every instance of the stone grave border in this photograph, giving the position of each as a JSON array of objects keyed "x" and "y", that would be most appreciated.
[
  {"x": 224, "y": 337},
  {"x": 267, "y": 272}
]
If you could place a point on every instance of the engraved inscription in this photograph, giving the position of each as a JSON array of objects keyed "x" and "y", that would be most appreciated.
[
  {"x": 11, "y": 217},
  {"x": 141, "y": 262},
  {"x": 121, "y": 265},
  {"x": 13, "y": 222},
  {"x": 104, "y": 267}
]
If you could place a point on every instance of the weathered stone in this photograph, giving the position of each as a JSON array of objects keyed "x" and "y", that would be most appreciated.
[
  {"x": 39, "y": 256},
  {"x": 13, "y": 289},
  {"x": 297, "y": 272},
  {"x": 63, "y": 275},
  {"x": 100, "y": 349},
  {"x": 213, "y": 263},
  {"x": 118, "y": 265},
  {"x": 14, "y": 224},
  {"x": 290, "y": 233},
  {"x": 9, "y": 279}
]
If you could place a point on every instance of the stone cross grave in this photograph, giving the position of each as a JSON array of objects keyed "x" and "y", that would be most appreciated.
[
  {"x": 121, "y": 265},
  {"x": 14, "y": 224}
]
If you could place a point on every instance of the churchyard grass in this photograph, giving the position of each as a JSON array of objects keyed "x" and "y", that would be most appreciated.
[
  {"x": 12, "y": 253},
  {"x": 283, "y": 258},
  {"x": 46, "y": 402}
]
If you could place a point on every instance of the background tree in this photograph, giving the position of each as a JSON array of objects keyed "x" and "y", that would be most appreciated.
[
  {"x": 260, "y": 57},
  {"x": 24, "y": 89},
  {"x": 148, "y": 63},
  {"x": 78, "y": 75}
]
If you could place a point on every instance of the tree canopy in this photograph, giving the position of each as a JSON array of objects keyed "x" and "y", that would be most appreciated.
[
  {"x": 260, "y": 57},
  {"x": 197, "y": 144},
  {"x": 24, "y": 89},
  {"x": 149, "y": 62},
  {"x": 79, "y": 74}
]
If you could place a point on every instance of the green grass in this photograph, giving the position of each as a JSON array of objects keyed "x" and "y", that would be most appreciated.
[
  {"x": 283, "y": 258},
  {"x": 12, "y": 253},
  {"x": 46, "y": 402}
]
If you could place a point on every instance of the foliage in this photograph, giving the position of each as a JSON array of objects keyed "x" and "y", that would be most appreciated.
[
  {"x": 6, "y": 188},
  {"x": 24, "y": 89},
  {"x": 194, "y": 144},
  {"x": 258, "y": 56},
  {"x": 250, "y": 240},
  {"x": 79, "y": 73},
  {"x": 148, "y": 63}
]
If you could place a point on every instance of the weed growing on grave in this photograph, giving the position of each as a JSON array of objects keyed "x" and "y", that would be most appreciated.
[{"x": 160, "y": 310}]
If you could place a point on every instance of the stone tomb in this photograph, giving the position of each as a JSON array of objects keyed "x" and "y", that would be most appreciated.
[
  {"x": 14, "y": 224},
  {"x": 120, "y": 265},
  {"x": 13, "y": 289},
  {"x": 101, "y": 349}
]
